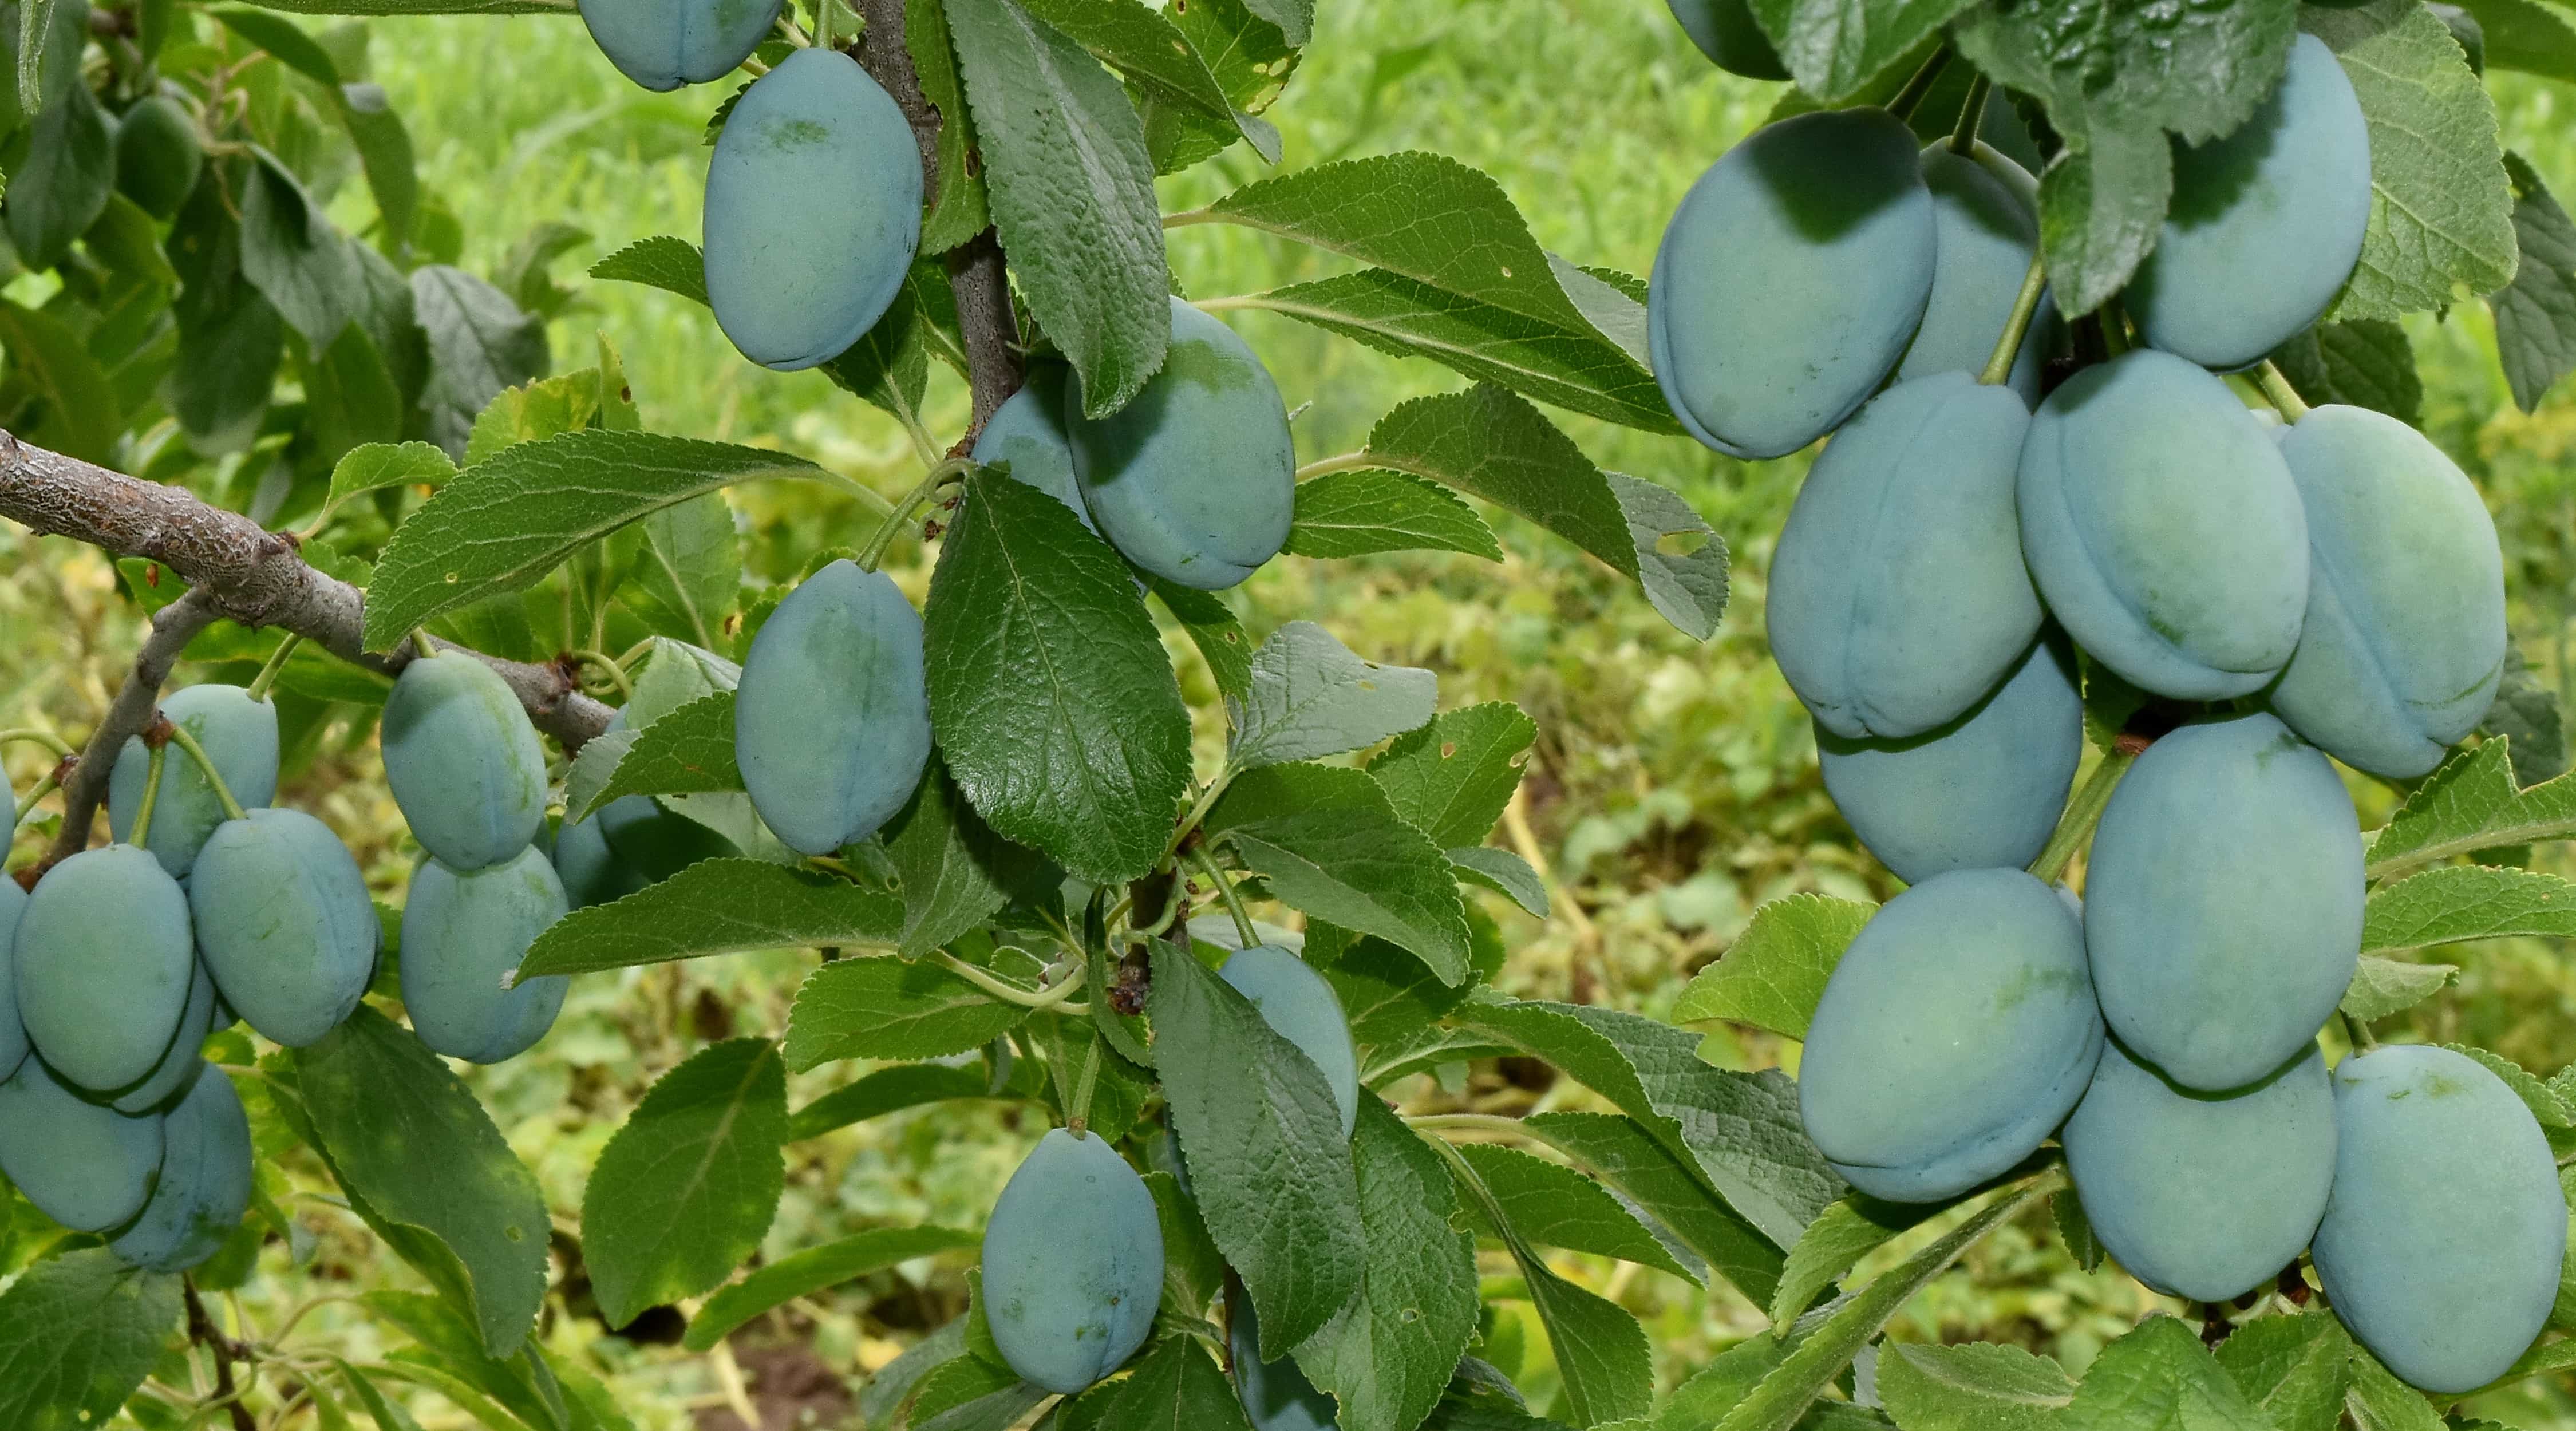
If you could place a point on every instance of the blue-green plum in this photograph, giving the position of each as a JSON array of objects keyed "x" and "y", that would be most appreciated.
[
  {"x": 2203, "y": 1195},
  {"x": 13, "y": 1030},
  {"x": 1276, "y": 1395},
  {"x": 2265, "y": 224},
  {"x": 1955, "y": 1034},
  {"x": 1982, "y": 792},
  {"x": 655, "y": 841},
  {"x": 591, "y": 872},
  {"x": 1985, "y": 214},
  {"x": 1790, "y": 280},
  {"x": 180, "y": 1061},
  {"x": 831, "y": 724},
  {"x": 1028, "y": 432},
  {"x": 105, "y": 958},
  {"x": 664, "y": 44},
  {"x": 2163, "y": 528},
  {"x": 1725, "y": 32},
  {"x": 83, "y": 1164},
  {"x": 1195, "y": 479},
  {"x": 2442, "y": 1241},
  {"x": 205, "y": 1181},
  {"x": 1073, "y": 1263},
  {"x": 1898, "y": 598},
  {"x": 813, "y": 211},
  {"x": 461, "y": 933},
  {"x": 284, "y": 923},
  {"x": 239, "y": 734},
  {"x": 2405, "y": 634},
  {"x": 1296, "y": 1002},
  {"x": 2222, "y": 903},
  {"x": 463, "y": 762}
]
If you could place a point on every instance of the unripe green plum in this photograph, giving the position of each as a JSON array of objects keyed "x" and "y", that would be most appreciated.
[
  {"x": 180, "y": 1061},
  {"x": 13, "y": 1030},
  {"x": 1898, "y": 598},
  {"x": 1073, "y": 1263},
  {"x": 1296, "y": 1002},
  {"x": 1276, "y": 1395},
  {"x": 105, "y": 958},
  {"x": 460, "y": 934},
  {"x": 2163, "y": 528},
  {"x": 205, "y": 1183},
  {"x": 239, "y": 734},
  {"x": 831, "y": 724},
  {"x": 813, "y": 211},
  {"x": 2203, "y": 1195},
  {"x": 83, "y": 1164},
  {"x": 284, "y": 923},
  {"x": 2265, "y": 224},
  {"x": 591, "y": 872},
  {"x": 1790, "y": 280},
  {"x": 1195, "y": 479},
  {"x": 1725, "y": 32},
  {"x": 2442, "y": 1240},
  {"x": 664, "y": 44},
  {"x": 1985, "y": 218},
  {"x": 1028, "y": 432},
  {"x": 2223, "y": 901},
  {"x": 2405, "y": 633},
  {"x": 1983, "y": 792},
  {"x": 657, "y": 842},
  {"x": 1955, "y": 1034},
  {"x": 463, "y": 762},
  {"x": 157, "y": 155}
]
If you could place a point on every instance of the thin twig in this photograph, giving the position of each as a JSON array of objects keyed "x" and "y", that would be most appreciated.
[
  {"x": 203, "y": 1332},
  {"x": 173, "y": 627}
]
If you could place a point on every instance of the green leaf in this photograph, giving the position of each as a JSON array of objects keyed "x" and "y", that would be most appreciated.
[
  {"x": 2377, "y": 1401},
  {"x": 1349, "y": 514},
  {"x": 40, "y": 27},
  {"x": 1214, "y": 630},
  {"x": 1072, "y": 193},
  {"x": 956, "y": 873},
  {"x": 1176, "y": 1388},
  {"x": 1388, "y": 997},
  {"x": 972, "y": 1394},
  {"x": 389, "y": 1415},
  {"x": 1310, "y": 697},
  {"x": 2103, "y": 67},
  {"x": 78, "y": 1333},
  {"x": 2293, "y": 1368},
  {"x": 125, "y": 239},
  {"x": 384, "y": 154},
  {"x": 894, "y": 1383},
  {"x": 404, "y": 1133},
  {"x": 378, "y": 465},
  {"x": 1971, "y": 1388},
  {"x": 2367, "y": 363},
  {"x": 2160, "y": 1378},
  {"x": 479, "y": 345},
  {"x": 2441, "y": 217},
  {"x": 2542, "y": 1099},
  {"x": 1567, "y": 365},
  {"x": 2100, "y": 209},
  {"x": 686, "y": 751},
  {"x": 1835, "y": 1243},
  {"x": 1388, "y": 1355},
  {"x": 59, "y": 189},
  {"x": 1784, "y": 1395},
  {"x": 1049, "y": 689},
  {"x": 2463, "y": 903},
  {"x": 891, "y": 1090},
  {"x": 1490, "y": 444},
  {"x": 1267, "y": 1157},
  {"x": 412, "y": 7},
  {"x": 1193, "y": 1270},
  {"x": 502, "y": 525},
  {"x": 882, "y": 1007},
  {"x": 687, "y": 1188},
  {"x": 1331, "y": 844},
  {"x": 958, "y": 206},
  {"x": 1833, "y": 47},
  {"x": 662, "y": 261},
  {"x": 2381, "y": 987},
  {"x": 2472, "y": 804},
  {"x": 2523, "y": 35},
  {"x": 1775, "y": 971},
  {"x": 686, "y": 577},
  {"x": 285, "y": 41},
  {"x": 2535, "y": 315},
  {"x": 1738, "y": 1131},
  {"x": 1504, "y": 873},
  {"x": 1452, "y": 778},
  {"x": 1149, "y": 49},
  {"x": 806, "y": 1272},
  {"x": 230, "y": 340},
  {"x": 2527, "y": 709},
  {"x": 1620, "y": 1151},
  {"x": 1295, "y": 18},
  {"x": 452, "y": 1360},
  {"x": 1551, "y": 1205},
  {"x": 548, "y": 407},
  {"x": 721, "y": 906},
  {"x": 79, "y": 413}
]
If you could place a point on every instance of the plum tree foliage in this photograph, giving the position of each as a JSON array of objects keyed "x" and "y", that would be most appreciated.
[{"x": 2107, "y": 558}]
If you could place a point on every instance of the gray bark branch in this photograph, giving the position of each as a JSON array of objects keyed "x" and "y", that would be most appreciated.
[{"x": 85, "y": 789}]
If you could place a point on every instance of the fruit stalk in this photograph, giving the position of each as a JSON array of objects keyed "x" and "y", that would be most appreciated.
[
  {"x": 205, "y": 762},
  {"x": 269, "y": 670},
  {"x": 1910, "y": 98},
  {"x": 1207, "y": 866},
  {"x": 2025, "y": 306},
  {"x": 2082, "y": 814},
  {"x": 2277, "y": 390},
  {"x": 1972, "y": 112}
]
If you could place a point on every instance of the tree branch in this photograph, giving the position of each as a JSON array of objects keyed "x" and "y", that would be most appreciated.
[
  {"x": 248, "y": 575},
  {"x": 203, "y": 1332},
  {"x": 977, "y": 272},
  {"x": 173, "y": 627}
]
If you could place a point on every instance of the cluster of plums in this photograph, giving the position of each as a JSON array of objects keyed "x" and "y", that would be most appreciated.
[{"x": 2334, "y": 584}]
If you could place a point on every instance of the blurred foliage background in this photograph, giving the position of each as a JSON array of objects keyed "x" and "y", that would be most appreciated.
[{"x": 1674, "y": 787}]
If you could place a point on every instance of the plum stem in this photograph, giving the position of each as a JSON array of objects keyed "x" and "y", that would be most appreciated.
[
  {"x": 33, "y": 736},
  {"x": 2277, "y": 390},
  {"x": 2358, "y": 1033},
  {"x": 2082, "y": 814},
  {"x": 883, "y": 537},
  {"x": 44, "y": 787},
  {"x": 151, "y": 794},
  {"x": 604, "y": 661},
  {"x": 1207, "y": 866},
  {"x": 1011, "y": 993},
  {"x": 1910, "y": 98},
  {"x": 1347, "y": 462},
  {"x": 1972, "y": 113},
  {"x": 223, "y": 793},
  {"x": 2034, "y": 282},
  {"x": 266, "y": 680}
]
